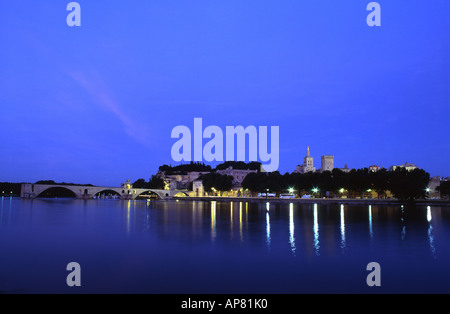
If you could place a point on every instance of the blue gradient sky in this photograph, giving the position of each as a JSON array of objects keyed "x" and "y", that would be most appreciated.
[{"x": 97, "y": 104}]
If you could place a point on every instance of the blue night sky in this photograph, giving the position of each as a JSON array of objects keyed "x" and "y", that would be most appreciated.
[{"x": 97, "y": 103}]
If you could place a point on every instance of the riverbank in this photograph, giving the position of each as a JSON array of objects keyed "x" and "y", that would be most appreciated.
[{"x": 345, "y": 201}]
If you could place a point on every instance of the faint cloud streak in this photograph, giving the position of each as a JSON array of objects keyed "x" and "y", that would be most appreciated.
[{"x": 97, "y": 89}]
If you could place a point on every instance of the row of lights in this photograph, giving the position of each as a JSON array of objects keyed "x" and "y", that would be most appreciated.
[{"x": 315, "y": 190}]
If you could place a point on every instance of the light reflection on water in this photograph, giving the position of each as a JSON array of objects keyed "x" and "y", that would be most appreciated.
[
  {"x": 431, "y": 232},
  {"x": 291, "y": 228},
  {"x": 342, "y": 215},
  {"x": 241, "y": 235},
  {"x": 268, "y": 229},
  {"x": 316, "y": 231},
  {"x": 213, "y": 220},
  {"x": 197, "y": 232}
]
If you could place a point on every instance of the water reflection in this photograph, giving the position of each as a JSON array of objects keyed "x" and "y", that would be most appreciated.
[
  {"x": 241, "y": 236},
  {"x": 279, "y": 227},
  {"x": 342, "y": 227},
  {"x": 267, "y": 229},
  {"x": 213, "y": 220},
  {"x": 128, "y": 215},
  {"x": 316, "y": 231},
  {"x": 187, "y": 240},
  {"x": 7, "y": 209},
  {"x": 291, "y": 227},
  {"x": 246, "y": 212},
  {"x": 402, "y": 219},
  {"x": 231, "y": 219},
  {"x": 431, "y": 233},
  {"x": 1, "y": 212}
]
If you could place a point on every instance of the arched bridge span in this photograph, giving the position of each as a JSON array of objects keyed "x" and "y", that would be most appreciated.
[{"x": 32, "y": 191}]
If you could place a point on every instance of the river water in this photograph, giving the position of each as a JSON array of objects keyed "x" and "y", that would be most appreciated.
[{"x": 166, "y": 247}]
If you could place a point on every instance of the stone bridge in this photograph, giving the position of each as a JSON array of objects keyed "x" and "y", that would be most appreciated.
[{"x": 32, "y": 191}]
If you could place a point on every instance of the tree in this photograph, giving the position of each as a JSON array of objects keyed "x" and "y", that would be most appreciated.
[
  {"x": 340, "y": 179},
  {"x": 46, "y": 182},
  {"x": 274, "y": 182},
  {"x": 223, "y": 183},
  {"x": 217, "y": 181},
  {"x": 10, "y": 189},
  {"x": 156, "y": 183},
  {"x": 140, "y": 184},
  {"x": 379, "y": 181},
  {"x": 185, "y": 168},
  {"x": 358, "y": 181},
  {"x": 326, "y": 182},
  {"x": 254, "y": 182},
  {"x": 444, "y": 189},
  {"x": 409, "y": 185}
]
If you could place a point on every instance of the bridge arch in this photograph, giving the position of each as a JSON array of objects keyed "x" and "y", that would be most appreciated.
[
  {"x": 148, "y": 194},
  {"x": 181, "y": 194},
  {"x": 107, "y": 194},
  {"x": 57, "y": 191}
]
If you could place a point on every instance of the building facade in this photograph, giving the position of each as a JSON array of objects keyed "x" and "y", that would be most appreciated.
[
  {"x": 374, "y": 168},
  {"x": 197, "y": 188},
  {"x": 406, "y": 165},
  {"x": 237, "y": 174},
  {"x": 327, "y": 163},
  {"x": 345, "y": 169},
  {"x": 308, "y": 164}
]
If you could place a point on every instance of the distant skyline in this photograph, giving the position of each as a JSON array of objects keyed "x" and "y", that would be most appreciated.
[{"x": 97, "y": 103}]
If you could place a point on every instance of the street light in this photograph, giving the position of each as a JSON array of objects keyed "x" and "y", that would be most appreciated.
[
  {"x": 291, "y": 190},
  {"x": 315, "y": 190}
]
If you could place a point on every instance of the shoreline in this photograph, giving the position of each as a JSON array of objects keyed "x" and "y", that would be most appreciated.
[{"x": 345, "y": 201}]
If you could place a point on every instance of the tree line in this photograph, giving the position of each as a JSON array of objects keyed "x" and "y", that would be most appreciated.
[
  {"x": 201, "y": 167},
  {"x": 185, "y": 168},
  {"x": 153, "y": 183},
  {"x": 444, "y": 189},
  {"x": 10, "y": 189},
  {"x": 401, "y": 183}
]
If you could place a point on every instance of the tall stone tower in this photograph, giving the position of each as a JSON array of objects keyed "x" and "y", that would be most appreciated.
[
  {"x": 308, "y": 164},
  {"x": 327, "y": 163}
]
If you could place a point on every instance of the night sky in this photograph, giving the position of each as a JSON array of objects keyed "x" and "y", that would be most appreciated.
[{"x": 97, "y": 103}]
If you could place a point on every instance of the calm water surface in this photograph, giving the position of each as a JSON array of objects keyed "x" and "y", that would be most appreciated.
[{"x": 221, "y": 247}]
